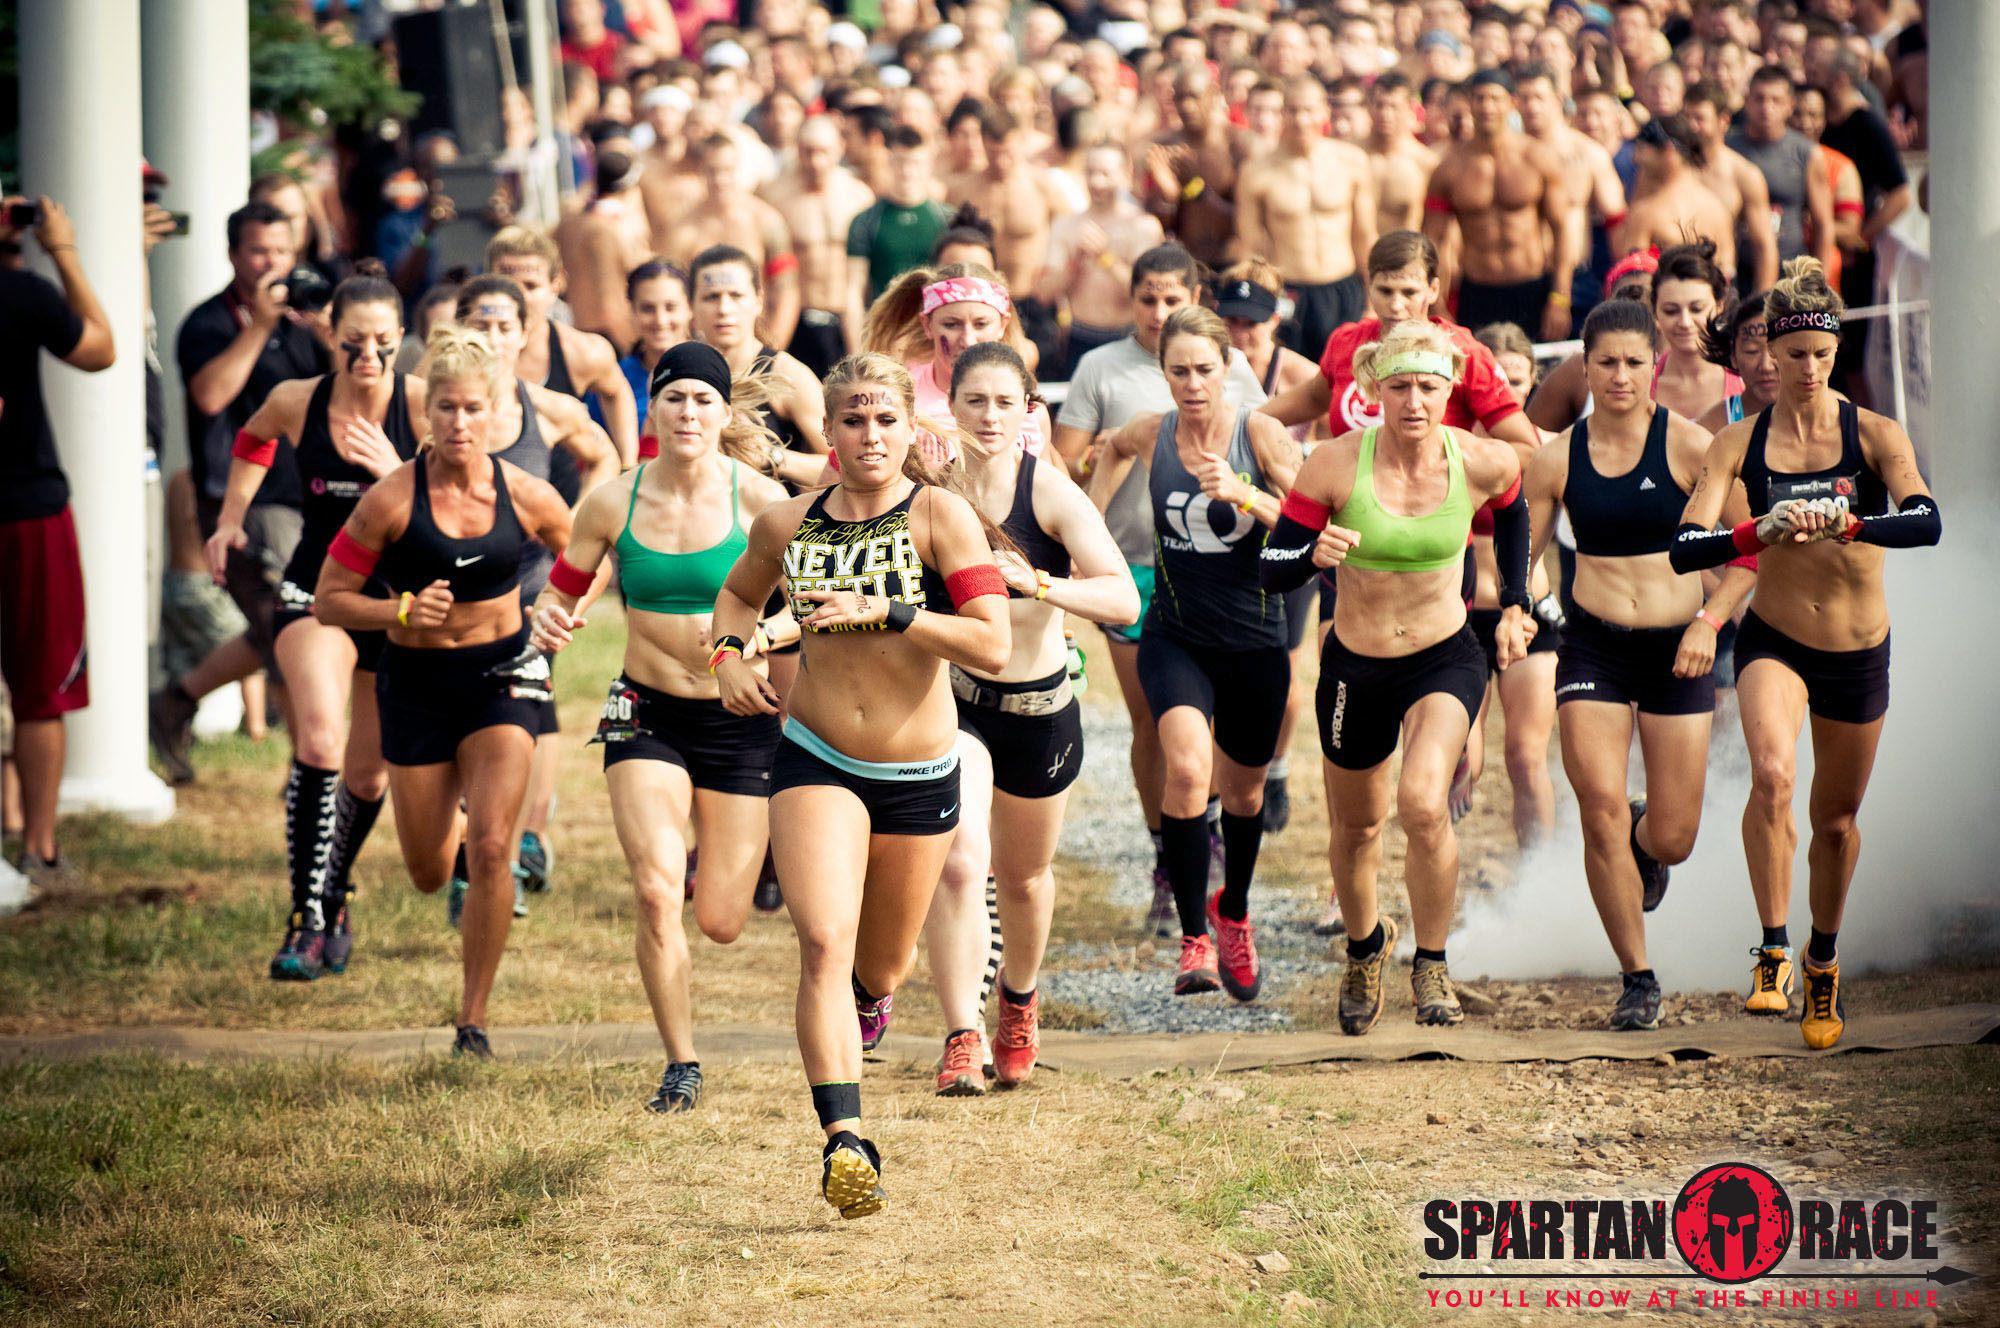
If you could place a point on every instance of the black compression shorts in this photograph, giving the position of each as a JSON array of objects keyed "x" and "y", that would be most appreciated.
[
  {"x": 722, "y": 752},
  {"x": 916, "y": 799},
  {"x": 1602, "y": 661},
  {"x": 1362, "y": 699},
  {"x": 1242, "y": 692},
  {"x": 1849, "y": 686},
  {"x": 432, "y": 700},
  {"x": 1034, "y": 756}
]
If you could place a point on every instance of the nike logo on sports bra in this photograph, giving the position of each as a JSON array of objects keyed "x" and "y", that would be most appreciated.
[{"x": 467, "y": 562}]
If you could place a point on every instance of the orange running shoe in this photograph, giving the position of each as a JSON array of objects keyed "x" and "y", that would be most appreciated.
[
  {"x": 1019, "y": 1038},
  {"x": 1197, "y": 971},
  {"x": 960, "y": 1073}
]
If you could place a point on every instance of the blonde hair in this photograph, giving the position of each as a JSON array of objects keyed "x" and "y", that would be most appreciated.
[
  {"x": 895, "y": 325},
  {"x": 453, "y": 354},
  {"x": 1402, "y": 337},
  {"x": 523, "y": 242},
  {"x": 1195, "y": 320},
  {"x": 1256, "y": 270},
  {"x": 1803, "y": 289},
  {"x": 1505, "y": 339}
]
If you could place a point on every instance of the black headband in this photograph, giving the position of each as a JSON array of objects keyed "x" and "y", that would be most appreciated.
[
  {"x": 1817, "y": 320},
  {"x": 691, "y": 359}
]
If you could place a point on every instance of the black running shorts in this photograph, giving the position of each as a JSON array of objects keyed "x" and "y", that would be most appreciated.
[
  {"x": 722, "y": 752},
  {"x": 1602, "y": 661},
  {"x": 1848, "y": 686},
  {"x": 1362, "y": 699},
  {"x": 432, "y": 700},
  {"x": 1242, "y": 692}
]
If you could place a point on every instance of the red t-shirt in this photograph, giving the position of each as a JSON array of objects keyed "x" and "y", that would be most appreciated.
[{"x": 1481, "y": 396}]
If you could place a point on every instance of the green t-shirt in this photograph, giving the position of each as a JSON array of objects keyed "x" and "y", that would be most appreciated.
[{"x": 895, "y": 239}]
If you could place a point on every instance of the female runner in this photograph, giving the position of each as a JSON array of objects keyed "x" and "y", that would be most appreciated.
[
  {"x": 728, "y": 293},
  {"x": 1391, "y": 506},
  {"x": 658, "y": 294},
  {"x": 1819, "y": 474},
  {"x": 890, "y": 578},
  {"x": 1023, "y": 724},
  {"x": 1638, "y": 635},
  {"x": 1212, "y": 654},
  {"x": 352, "y": 426},
  {"x": 1735, "y": 340},
  {"x": 1688, "y": 291},
  {"x": 674, "y": 759},
  {"x": 450, "y": 535}
]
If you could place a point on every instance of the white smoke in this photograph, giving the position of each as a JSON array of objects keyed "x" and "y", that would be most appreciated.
[{"x": 1928, "y": 881}]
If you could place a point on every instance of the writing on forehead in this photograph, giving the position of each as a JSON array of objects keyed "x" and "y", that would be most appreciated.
[
  {"x": 717, "y": 277},
  {"x": 493, "y": 309},
  {"x": 873, "y": 396}
]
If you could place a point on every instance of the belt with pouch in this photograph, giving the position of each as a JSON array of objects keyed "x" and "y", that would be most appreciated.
[{"x": 988, "y": 696}]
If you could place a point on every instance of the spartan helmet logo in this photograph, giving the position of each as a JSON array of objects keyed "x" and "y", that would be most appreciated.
[
  {"x": 1732, "y": 1215},
  {"x": 1197, "y": 526}
]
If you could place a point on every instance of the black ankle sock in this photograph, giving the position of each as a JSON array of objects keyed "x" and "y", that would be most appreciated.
[
  {"x": 1369, "y": 946},
  {"x": 309, "y": 818},
  {"x": 862, "y": 996},
  {"x": 1774, "y": 936},
  {"x": 1437, "y": 955},
  {"x": 1638, "y": 975},
  {"x": 1012, "y": 997},
  {"x": 353, "y": 817},
  {"x": 1820, "y": 948},
  {"x": 1242, "y": 836},
  {"x": 1185, "y": 839}
]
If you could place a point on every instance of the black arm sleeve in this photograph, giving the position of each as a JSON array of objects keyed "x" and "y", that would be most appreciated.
[
  {"x": 1696, "y": 550},
  {"x": 1915, "y": 524},
  {"x": 1286, "y": 563},
  {"x": 1510, "y": 550}
]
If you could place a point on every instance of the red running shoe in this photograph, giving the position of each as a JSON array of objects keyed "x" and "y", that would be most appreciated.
[
  {"x": 1019, "y": 1038},
  {"x": 1238, "y": 950},
  {"x": 960, "y": 1073},
  {"x": 1197, "y": 971}
]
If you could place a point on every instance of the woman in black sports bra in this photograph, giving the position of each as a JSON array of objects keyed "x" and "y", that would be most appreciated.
[
  {"x": 728, "y": 299},
  {"x": 1819, "y": 475},
  {"x": 890, "y": 578},
  {"x": 1020, "y": 727},
  {"x": 458, "y": 714},
  {"x": 352, "y": 427},
  {"x": 1638, "y": 636}
]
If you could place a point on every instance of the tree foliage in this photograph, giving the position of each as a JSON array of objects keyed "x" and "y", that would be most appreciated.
[{"x": 311, "y": 82}]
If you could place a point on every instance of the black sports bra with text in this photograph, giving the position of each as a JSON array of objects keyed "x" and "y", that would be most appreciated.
[{"x": 1850, "y": 478}]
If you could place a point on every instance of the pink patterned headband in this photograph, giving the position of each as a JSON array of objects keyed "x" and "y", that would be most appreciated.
[{"x": 960, "y": 290}]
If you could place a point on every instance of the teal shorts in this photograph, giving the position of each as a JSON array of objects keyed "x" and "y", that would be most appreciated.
[{"x": 1143, "y": 578}]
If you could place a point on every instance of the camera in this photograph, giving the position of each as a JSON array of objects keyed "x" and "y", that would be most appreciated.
[
  {"x": 306, "y": 291},
  {"x": 21, "y": 216}
]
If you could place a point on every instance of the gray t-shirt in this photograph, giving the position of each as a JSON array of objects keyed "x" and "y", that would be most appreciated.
[
  {"x": 1784, "y": 165},
  {"x": 1112, "y": 385}
]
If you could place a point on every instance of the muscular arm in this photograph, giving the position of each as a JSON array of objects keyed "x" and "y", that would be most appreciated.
[
  {"x": 1251, "y": 235},
  {"x": 597, "y": 367},
  {"x": 1756, "y": 216},
  {"x": 979, "y": 634},
  {"x": 1278, "y": 456},
  {"x": 1543, "y": 486},
  {"x": 1564, "y": 216},
  {"x": 544, "y": 514},
  {"x": 278, "y": 420},
  {"x": 1819, "y": 209},
  {"x": 1698, "y": 544},
  {"x": 571, "y": 428},
  {"x": 1558, "y": 399},
  {"x": 1439, "y": 219},
  {"x": 1361, "y": 235},
  {"x": 220, "y": 381},
  {"x": 1099, "y": 586},
  {"x": 596, "y": 263},
  {"x": 589, "y": 543},
  {"x": 340, "y": 598},
  {"x": 1117, "y": 458},
  {"x": 782, "y": 300}
]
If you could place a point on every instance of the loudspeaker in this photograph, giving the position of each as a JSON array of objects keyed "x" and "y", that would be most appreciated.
[{"x": 448, "y": 57}]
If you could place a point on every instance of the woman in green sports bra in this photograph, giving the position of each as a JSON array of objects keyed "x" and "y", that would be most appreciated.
[
  {"x": 1391, "y": 506},
  {"x": 675, "y": 526}
]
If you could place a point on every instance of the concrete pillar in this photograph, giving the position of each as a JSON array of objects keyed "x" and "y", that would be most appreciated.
[
  {"x": 1965, "y": 232},
  {"x": 80, "y": 145}
]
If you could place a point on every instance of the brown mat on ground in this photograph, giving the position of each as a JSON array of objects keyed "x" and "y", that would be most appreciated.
[{"x": 1117, "y": 1055}]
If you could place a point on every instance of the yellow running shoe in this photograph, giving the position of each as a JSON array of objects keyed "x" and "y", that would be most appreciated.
[
  {"x": 1825, "y": 1018},
  {"x": 1770, "y": 981},
  {"x": 851, "y": 1176}
]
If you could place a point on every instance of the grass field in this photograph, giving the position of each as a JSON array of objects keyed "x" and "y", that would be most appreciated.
[{"x": 137, "y": 1191}]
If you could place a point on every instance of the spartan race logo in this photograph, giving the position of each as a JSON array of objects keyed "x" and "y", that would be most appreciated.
[
  {"x": 1356, "y": 410},
  {"x": 1731, "y": 1224}
]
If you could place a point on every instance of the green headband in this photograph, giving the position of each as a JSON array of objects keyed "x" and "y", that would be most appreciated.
[{"x": 1413, "y": 361}]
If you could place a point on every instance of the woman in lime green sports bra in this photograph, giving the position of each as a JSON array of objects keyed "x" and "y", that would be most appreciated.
[
  {"x": 1391, "y": 506},
  {"x": 675, "y": 526}
]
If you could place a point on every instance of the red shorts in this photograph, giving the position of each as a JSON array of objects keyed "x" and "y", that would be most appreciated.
[{"x": 41, "y": 617}]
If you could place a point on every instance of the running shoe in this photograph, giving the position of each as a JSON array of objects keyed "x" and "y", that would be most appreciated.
[
  {"x": 1197, "y": 971},
  {"x": 535, "y": 864},
  {"x": 850, "y": 1176},
  {"x": 520, "y": 900},
  {"x": 170, "y": 724},
  {"x": 1638, "y": 1008},
  {"x": 959, "y": 1069},
  {"x": 454, "y": 900},
  {"x": 1770, "y": 981},
  {"x": 339, "y": 940},
  {"x": 1330, "y": 923},
  {"x": 680, "y": 1089},
  {"x": 302, "y": 957},
  {"x": 1825, "y": 1016},
  {"x": 1361, "y": 997},
  {"x": 1163, "y": 915},
  {"x": 1437, "y": 1003},
  {"x": 1277, "y": 804},
  {"x": 1652, "y": 872},
  {"x": 873, "y": 1013},
  {"x": 1018, "y": 1040},
  {"x": 1236, "y": 948},
  {"x": 470, "y": 1040},
  {"x": 768, "y": 898}
]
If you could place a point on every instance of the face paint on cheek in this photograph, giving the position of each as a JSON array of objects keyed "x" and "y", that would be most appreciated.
[
  {"x": 353, "y": 350},
  {"x": 384, "y": 354}
]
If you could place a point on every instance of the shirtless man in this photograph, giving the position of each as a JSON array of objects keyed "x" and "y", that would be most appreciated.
[
  {"x": 1671, "y": 205},
  {"x": 671, "y": 183},
  {"x": 1190, "y": 173},
  {"x": 605, "y": 239},
  {"x": 1519, "y": 232},
  {"x": 1740, "y": 185},
  {"x": 1091, "y": 254},
  {"x": 1401, "y": 161},
  {"x": 1589, "y": 178},
  {"x": 1017, "y": 195},
  {"x": 819, "y": 200},
  {"x": 1309, "y": 208},
  {"x": 728, "y": 213},
  {"x": 555, "y": 355}
]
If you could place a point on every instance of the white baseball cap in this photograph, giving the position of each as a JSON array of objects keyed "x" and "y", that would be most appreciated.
[
  {"x": 846, "y": 34},
  {"x": 726, "y": 55}
]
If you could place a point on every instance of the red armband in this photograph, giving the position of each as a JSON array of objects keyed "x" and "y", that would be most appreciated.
[
  {"x": 257, "y": 451},
  {"x": 1847, "y": 208},
  {"x": 1748, "y": 560},
  {"x": 571, "y": 581},
  {"x": 1506, "y": 499},
  {"x": 649, "y": 447},
  {"x": 969, "y": 583},
  {"x": 1613, "y": 220},
  {"x": 1745, "y": 538},
  {"x": 777, "y": 265},
  {"x": 352, "y": 554},
  {"x": 1311, "y": 515},
  {"x": 1438, "y": 203}
]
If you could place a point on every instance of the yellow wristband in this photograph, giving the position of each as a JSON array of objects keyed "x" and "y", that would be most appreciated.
[
  {"x": 1192, "y": 189},
  {"x": 403, "y": 608},
  {"x": 715, "y": 660},
  {"x": 1041, "y": 584},
  {"x": 1560, "y": 299},
  {"x": 1250, "y": 500}
]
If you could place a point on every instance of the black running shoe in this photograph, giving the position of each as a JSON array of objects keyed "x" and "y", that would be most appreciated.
[
  {"x": 471, "y": 1041},
  {"x": 1652, "y": 872},
  {"x": 850, "y": 1176},
  {"x": 680, "y": 1088},
  {"x": 302, "y": 957},
  {"x": 1277, "y": 804},
  {"x": 1638, "y": 1008},
  {"x": 339, "y": 941},
  {"x": 170, "y": 724}
]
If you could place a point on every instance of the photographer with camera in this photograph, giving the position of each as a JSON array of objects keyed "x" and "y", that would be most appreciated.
[
  {"x": 265, "y": 327},
  {"x": 41, "y": 570}
]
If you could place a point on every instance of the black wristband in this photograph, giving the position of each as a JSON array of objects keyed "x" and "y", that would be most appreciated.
[
  {"x": 1516, "y": 599},
  {"x": 901, "y": 615},
  {"x": 727, "y": 643}
]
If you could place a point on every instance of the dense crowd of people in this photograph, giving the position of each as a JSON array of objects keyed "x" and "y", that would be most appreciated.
[{"x": 772, "y": 375}]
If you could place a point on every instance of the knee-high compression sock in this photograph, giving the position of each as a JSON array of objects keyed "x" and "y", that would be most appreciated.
[
  {"x": 309, "y": 817},
  {"x": 1242, "y": 837},
  {"x": 353, "y": 817},
  {"x": 1185, "y": 841}
]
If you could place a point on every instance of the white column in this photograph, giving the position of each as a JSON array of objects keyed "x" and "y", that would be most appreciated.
[
  {"x": 539, "y": 24},
  {"x": 197, "y": 81},
  {"x": 1965, "y": 231},
  {"x": 80, "y": 145}
]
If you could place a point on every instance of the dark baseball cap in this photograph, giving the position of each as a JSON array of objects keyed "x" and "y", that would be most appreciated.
[{"x": 1246, "y": 300}]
